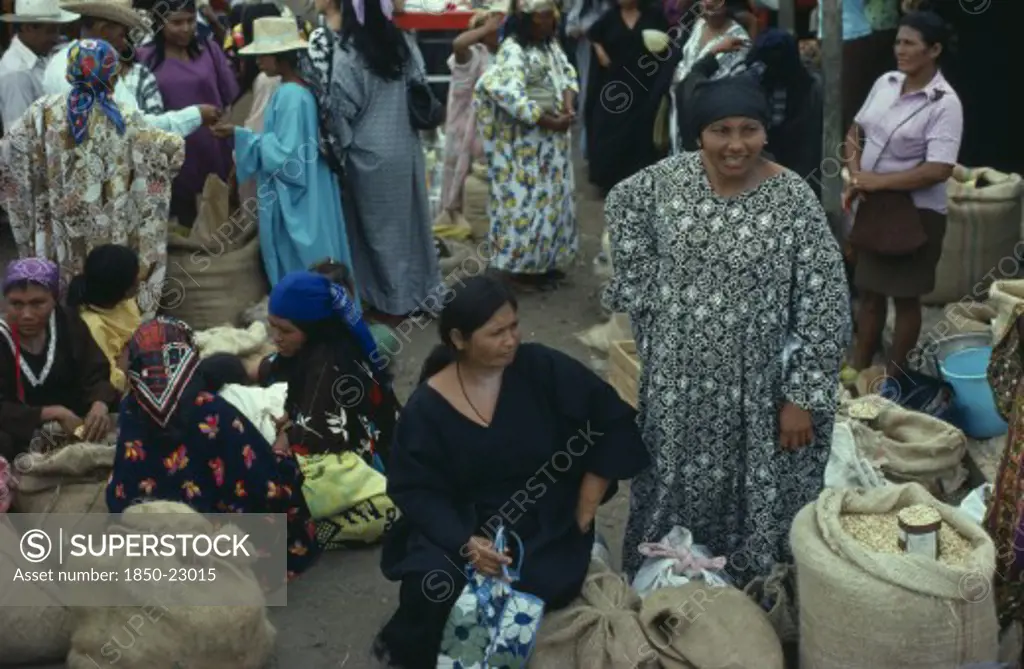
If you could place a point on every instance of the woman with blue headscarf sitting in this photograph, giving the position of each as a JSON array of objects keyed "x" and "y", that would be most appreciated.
[{"x": 340, "y": 410}]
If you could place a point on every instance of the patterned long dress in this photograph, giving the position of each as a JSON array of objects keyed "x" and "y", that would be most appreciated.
[
  {"x": 64, "y": 200},
  {"x": 717, "y": 289},
  {"x": 1004, "y": 519},
  {"x": 532, "y": 205}
]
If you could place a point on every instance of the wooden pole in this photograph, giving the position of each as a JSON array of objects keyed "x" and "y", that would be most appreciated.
[{"x": 831, "y": 39}]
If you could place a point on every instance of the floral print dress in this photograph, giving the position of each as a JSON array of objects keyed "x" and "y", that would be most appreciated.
[
  {"x": 221, "y": 465},
  {"x": 532, "y": 204},
  {"x": 63, "y": 200},
  {"x": 1004, "y": 519}
]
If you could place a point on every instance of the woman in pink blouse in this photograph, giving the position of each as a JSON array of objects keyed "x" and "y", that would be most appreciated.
[
  {"x": 906, "y": 138},
  {"x": 472, "y": 53}
]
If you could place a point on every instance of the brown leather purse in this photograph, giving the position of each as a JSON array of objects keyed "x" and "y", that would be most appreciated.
[{"x": 888, "y": 222}]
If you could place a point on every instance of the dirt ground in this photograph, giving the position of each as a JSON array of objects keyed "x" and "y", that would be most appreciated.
[{"x": 336, "y": 608}]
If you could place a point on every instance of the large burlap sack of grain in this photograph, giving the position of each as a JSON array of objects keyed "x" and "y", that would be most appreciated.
[
  {"x": 476, "y": 194},
  {"x": 253, "y": 340},
  {"x": 983, "y": 227},
  {"x": 699, "y": 626},
  {"x": 72, "y": 479},
  {"x": 776, "y": 595},
  {"x": 29, "y": 634},
  {"x": 967, "y": 317},
  {"x": 599, "y": 630},
  {"x": 216, "y": 272},
  {"x": 180, "y": 635},
  {"x": 866, "y": 608},
  {"x": 911, "y": 446},
  {"x": 1004, "y": 296}
]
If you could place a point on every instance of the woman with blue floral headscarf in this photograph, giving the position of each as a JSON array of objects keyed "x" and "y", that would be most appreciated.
[
  {"x": 340, "y": 411},
  {"x": 79, "y": 172}
]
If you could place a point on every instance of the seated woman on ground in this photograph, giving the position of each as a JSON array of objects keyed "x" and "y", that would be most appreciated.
[
  {"x": 497, "y": 433},
  {"x": 340, "y": 409},
  {"x": 180, "y": 442},
  {"x": 104, "y": 296},
  {"x": 51, "y": 370}
]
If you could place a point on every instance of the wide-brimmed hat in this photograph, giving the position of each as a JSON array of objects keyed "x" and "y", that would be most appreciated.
[
  {"x": 115, "y": 11},
  {"x": 38, "y": 11},
  {"x": 273, "y": 34}
]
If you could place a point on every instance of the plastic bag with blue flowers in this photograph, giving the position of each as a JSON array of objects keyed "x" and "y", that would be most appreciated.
[{"x": 492, "y": 625}]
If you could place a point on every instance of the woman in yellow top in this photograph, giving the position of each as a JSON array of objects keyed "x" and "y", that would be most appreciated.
[{"x": 104, "y": 296}]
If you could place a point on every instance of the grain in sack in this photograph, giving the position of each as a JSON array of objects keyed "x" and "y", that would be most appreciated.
[
  {"x": 179, "y": 634},
  {"x": 983, "y": 226},
  {"x": 72, "y": 479},
  {"x": 29, "y": 635},
  {"x": 917, "y": 612},
  {"x": 912, "y": 446}
]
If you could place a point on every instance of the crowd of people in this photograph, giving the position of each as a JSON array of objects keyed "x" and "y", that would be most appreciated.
[{"x": 737, "y": 289}]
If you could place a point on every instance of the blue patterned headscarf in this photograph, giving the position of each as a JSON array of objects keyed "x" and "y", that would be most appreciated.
[
  {"x": 308, "y": 297},
  {"x": 92, "y": 66}
]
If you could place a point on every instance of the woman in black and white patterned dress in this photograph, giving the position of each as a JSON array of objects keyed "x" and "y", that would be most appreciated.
[{"x": 738, "y": 298}]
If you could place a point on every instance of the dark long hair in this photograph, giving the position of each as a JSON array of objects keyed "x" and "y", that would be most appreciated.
[
  {"x": 475, "y": 302},
  {"x": 159, "y": 54},
  {"x": 108, "y": 277},
  {"x": 331, "y": 335},
  {"x": 379, "y": 41}
]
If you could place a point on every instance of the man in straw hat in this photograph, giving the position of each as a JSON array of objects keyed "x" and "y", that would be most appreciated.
[
  {"x": 135, "y": 89},
  {"x": 21, "y": 69}
]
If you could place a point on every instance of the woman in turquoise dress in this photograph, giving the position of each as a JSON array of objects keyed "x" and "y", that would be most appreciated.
[{"x": 300, "y": 214}]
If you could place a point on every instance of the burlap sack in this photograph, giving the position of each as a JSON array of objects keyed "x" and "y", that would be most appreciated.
[
  {"x": 167, "y": 633},
  {"x": 698, "y": 626},
  {"x": 982, "y": 228},
  {"x": 600, "y": 630},
  {"x": 859, "y": 608},
  {"x": 778, "y": 588},
  {"x": 475, "y": 196},
  {"x": 1004, "y": 296},
  {"x": 72, "y": 479},
  {"x": 912, "y": 446},
  {"x": 216, "y": 273},
  {"x": 29, "y": 634},
  {"x": 967, "y": 317}
]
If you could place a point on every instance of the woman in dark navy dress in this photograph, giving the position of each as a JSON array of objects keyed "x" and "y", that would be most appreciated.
[{"x": 496, "y": 433}]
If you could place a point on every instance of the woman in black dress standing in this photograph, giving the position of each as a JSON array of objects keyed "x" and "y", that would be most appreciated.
[
  {"x": 497, "y": 433},
  {"x": 624, "y": 90}
]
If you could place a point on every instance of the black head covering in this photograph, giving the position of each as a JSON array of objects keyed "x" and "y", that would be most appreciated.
[{"x": 739, "y": 95}]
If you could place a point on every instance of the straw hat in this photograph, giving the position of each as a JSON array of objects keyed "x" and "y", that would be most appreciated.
[
  {"x": 38, "y": 11},
  {"x": 115, "y": 11},
  {"x": 273, "y": 34}
]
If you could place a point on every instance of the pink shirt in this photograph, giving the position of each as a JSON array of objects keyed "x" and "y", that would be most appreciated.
[{"x": 932, "y": 135}]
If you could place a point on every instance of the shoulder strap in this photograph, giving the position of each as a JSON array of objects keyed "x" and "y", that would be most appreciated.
[{"x": 931, "y": 99}]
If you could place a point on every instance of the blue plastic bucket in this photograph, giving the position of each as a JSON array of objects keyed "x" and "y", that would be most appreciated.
[{"x": 967, "y": 371}]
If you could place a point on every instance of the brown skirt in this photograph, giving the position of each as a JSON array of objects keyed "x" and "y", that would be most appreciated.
[{"x": 904, "y": 276}]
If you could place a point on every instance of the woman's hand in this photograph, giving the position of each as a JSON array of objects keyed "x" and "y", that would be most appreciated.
[
  {"x": 584, "y": 521},
  {"x": 867, "y": 182},
  {"x": 555, "y": 122},
  {"x": 795, "y": 428},
  {"x": 223, "y": 130},
  {"x": 281, "y": 445},
  {"x": 97, "y": 423},
  {"x": 602, "y": 56},
  {"x": 481, "y": 554},
  {"x": 68, "y": 420},
  {"x": 730, "y": 44},
  {"x": 210, "y": 114}
]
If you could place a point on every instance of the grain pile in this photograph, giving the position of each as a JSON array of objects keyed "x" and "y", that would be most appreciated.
[{"x": 880, "y": 532}]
